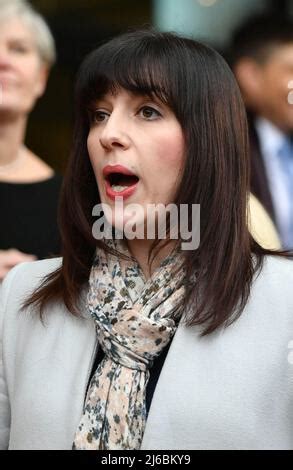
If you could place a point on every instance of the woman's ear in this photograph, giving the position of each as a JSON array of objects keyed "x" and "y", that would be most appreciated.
[{"x": 249, "y": 76}]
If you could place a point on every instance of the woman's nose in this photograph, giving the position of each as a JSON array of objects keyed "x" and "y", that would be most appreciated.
[
  {"x": 4, "y": 58},
  {"x": 115, "y": 133}
]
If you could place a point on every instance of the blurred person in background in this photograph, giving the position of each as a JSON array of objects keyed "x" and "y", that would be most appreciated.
[
  {"x": 29, "y": 188},
  {"x": 262, "y": 60},
  {"x": 261, "y": 225}
]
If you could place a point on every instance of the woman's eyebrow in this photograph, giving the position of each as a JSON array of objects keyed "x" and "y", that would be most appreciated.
[
  {"x": 20, "y": 39},
  {"x": 101, "y": 99}
]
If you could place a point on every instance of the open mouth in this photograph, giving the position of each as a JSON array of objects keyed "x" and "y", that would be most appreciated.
[{"x": 119, "y": 181}]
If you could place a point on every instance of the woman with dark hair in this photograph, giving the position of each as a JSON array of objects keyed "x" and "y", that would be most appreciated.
[{"x": 140, "y": 342}]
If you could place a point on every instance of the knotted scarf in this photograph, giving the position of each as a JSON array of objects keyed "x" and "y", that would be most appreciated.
[{"x": 135, "y": 319}]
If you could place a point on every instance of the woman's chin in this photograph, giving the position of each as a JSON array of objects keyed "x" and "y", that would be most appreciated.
[{"x": 130, "y": 227}]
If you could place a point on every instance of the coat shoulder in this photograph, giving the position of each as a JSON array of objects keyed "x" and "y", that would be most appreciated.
[
  {"x": 279, "y": 269},
  {"x": 24, "y": 278},
  {"x": 274, "y": 281}
]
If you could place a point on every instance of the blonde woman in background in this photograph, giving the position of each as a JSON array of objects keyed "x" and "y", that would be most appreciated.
[{"x": 29, "y": 188}]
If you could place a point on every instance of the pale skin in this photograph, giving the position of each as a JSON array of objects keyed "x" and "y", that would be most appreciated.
[
  {"x": 142, "y": 134},
  {"x": 23, "y": 77}
]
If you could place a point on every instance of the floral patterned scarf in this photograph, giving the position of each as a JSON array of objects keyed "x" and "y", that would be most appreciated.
[{"x": 135, "y": 320}]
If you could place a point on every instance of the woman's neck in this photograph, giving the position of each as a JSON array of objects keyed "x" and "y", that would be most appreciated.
[
  {"x": 11, "y": 139},
  {"x": 140, "y": 251},
  {"x": 17, "y": 163}
]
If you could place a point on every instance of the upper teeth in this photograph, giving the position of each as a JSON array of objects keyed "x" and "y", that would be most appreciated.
[{"x": 118, "y": 188}]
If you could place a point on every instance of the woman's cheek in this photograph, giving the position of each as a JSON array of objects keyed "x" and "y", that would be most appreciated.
[{"x": 172, "y": 147}]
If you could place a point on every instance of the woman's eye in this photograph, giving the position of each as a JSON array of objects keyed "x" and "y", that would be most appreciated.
[
  {"x": 19, "y": 48},
  {"x": 150, "y": 113},
  {"x": 99, "y": 116}
]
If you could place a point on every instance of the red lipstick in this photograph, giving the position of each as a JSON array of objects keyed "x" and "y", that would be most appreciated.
[
  {"x": 110, "y": 169},
  {"x": 119, "y": 175}
]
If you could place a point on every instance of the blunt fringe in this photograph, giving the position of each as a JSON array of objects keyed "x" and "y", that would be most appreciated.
[{"x": 198, "y": 85}]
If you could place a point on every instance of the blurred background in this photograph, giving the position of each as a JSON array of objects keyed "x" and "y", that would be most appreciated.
[{"x": 80, "y": 25}]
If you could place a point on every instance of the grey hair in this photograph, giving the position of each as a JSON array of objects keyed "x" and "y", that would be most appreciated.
[{"x": 35, "y": 22}]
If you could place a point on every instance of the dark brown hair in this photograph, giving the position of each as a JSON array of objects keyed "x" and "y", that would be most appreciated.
[{"x": 197, "y": 84}]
